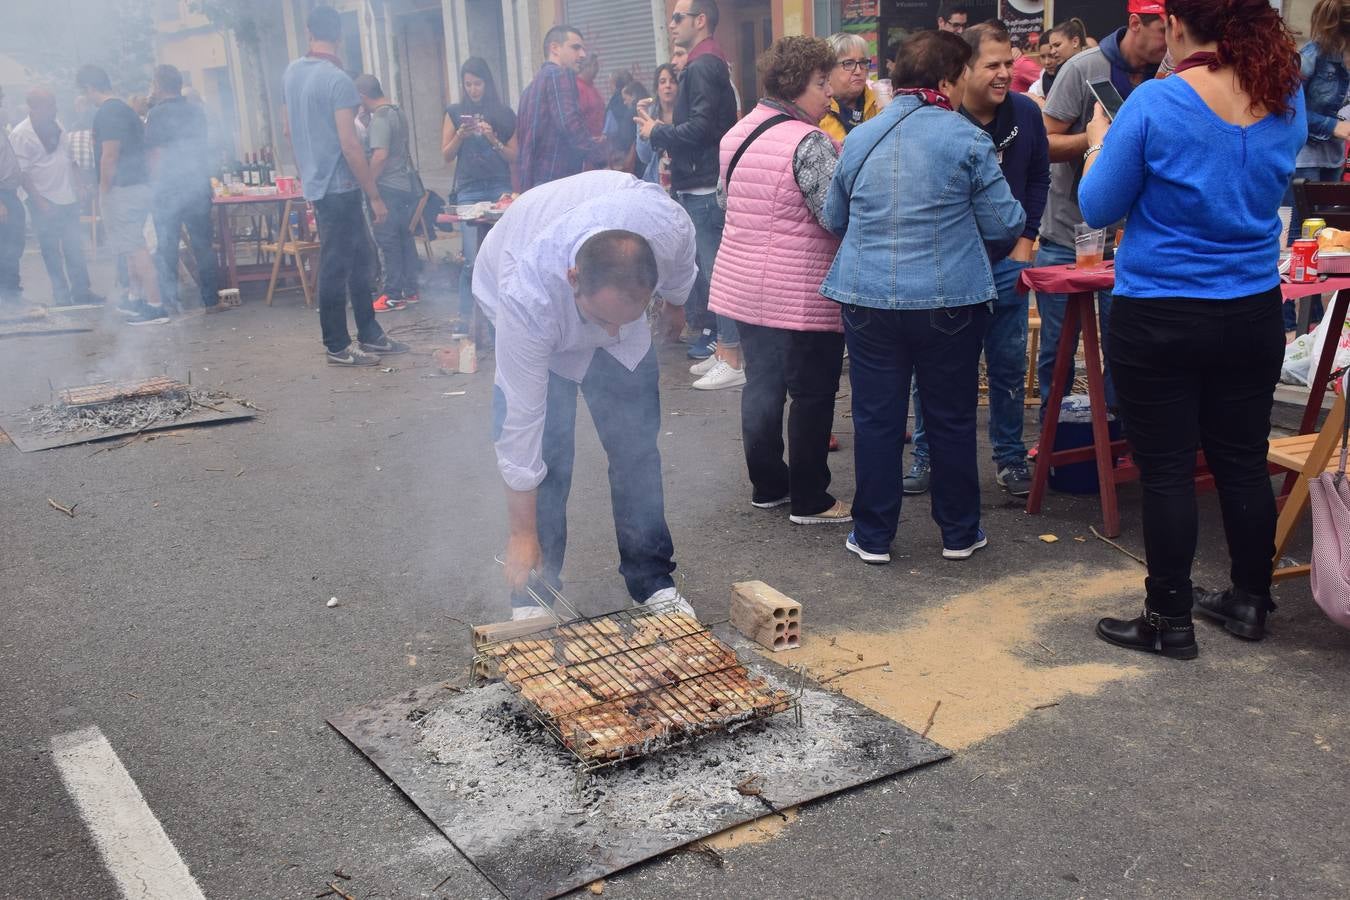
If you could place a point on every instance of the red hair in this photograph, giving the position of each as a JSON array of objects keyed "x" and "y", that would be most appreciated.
[{"x": 1253, "y": 39}]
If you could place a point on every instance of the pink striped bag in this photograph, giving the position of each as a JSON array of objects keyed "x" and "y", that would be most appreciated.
[{"x": 1329, "y": 494}]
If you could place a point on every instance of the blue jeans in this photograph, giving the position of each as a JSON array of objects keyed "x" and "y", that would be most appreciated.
[
  {"x": 346, "y": 260},
  {"x": 709, "y": 220},
  {"x": 626, "y": 409},
  {"x": 886, "y": 349},
  {"x": 12, "y": 237},
  {"x": 1051, "y": 308},
  {"x": 468, "y": 235},
  {"x": 1005, "y": 359}
]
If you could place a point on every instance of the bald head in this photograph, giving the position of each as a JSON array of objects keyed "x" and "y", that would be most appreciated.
[
  {"x": 41, "y": 105},
  {"x": 614, "y": 278}
]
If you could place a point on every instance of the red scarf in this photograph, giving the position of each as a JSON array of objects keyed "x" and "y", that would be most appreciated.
[
  {"x": 319, "y": 54},
  {"x": 1206, "y": 58},
  {"x": 928, "y": 97}
]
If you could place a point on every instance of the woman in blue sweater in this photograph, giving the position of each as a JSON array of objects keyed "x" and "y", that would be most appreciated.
[{"x": 1198, "y": 163}]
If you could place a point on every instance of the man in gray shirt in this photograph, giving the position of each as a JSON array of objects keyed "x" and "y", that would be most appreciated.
[
  {"x": 400, "y": 188},
  {"x": 321, "y": 107},
  {"x": 1126, "y": 58}
]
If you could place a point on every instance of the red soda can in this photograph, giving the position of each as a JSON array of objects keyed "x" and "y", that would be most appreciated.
[{"x": 1303, "y": 261}]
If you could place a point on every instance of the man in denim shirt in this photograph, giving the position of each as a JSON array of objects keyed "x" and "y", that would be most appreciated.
[{"x": 1014, "y": 123}]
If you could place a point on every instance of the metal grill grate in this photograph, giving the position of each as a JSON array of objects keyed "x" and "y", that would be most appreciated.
[
  {"x": 621, "y": 686},
  {"x": 110, "y": 392}
]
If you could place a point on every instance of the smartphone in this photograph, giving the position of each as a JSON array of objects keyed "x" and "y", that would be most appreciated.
[
  {"x": 468, "y": 122},
  {"x": 1107, "y": 96}
]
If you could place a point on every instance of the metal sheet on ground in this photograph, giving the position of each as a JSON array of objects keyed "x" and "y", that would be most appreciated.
[
  {"x": 15, "y": 425},
  {"x": 510, "y": 800}
]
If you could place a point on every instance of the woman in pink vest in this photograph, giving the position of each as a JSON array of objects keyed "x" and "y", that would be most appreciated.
[{"x": 776, "y": 171}]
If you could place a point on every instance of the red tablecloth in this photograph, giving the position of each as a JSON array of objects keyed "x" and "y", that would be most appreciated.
[{"x": 1069, "y": 279}]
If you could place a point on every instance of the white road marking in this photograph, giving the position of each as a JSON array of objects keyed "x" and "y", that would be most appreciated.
[{"x": 130, "y": 839}]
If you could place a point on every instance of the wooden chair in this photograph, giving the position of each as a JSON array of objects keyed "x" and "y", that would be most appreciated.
[
  {"x": 288, "y": 246},
  {"x": 418, "y": 225},
  {"x": 1033, "y": 351},
  {"x": 1307, "y": 455}
]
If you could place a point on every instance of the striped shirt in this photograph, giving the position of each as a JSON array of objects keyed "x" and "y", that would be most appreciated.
[{"x": 552, "y": 135}]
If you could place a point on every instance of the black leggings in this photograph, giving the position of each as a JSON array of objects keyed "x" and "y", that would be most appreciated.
[{"x": 1194, "y": 374}]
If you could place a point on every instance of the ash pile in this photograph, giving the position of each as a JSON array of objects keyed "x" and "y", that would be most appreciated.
[{"x": 120, "y": 406}]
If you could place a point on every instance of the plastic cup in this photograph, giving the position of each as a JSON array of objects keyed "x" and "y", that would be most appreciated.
[
  {"x": 882, "y": 89},
  {"x": 1089, "y": 245}
]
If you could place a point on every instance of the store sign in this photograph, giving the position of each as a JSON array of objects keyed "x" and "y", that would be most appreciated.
[
  {"x": 1025, "y": 20},
  {"x": 861, "y": 9}
]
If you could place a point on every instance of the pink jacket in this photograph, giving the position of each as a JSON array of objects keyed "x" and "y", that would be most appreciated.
[{"x": 774, "y": 254}]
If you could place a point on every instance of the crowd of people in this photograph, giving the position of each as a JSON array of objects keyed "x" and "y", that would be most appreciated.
[
  {"x": 825, "y": 218},
  {"x": 880, "y": 220}
]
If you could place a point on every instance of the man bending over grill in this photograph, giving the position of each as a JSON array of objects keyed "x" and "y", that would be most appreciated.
[{"x": 571, "y": 268}]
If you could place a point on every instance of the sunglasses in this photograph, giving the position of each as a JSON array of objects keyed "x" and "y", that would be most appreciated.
[
  {"x": 679, "y": 17},
  {"x": 851, "y": 65}
]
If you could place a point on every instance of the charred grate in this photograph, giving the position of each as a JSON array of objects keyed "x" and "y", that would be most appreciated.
[
  {"x": 622, "y": 686},
  {"x": 112, "y": 392}
]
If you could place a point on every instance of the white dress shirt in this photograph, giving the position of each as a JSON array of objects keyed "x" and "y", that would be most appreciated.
[
  {"x": 520, "y": 281},
  {"x": 53, "y": 174}
]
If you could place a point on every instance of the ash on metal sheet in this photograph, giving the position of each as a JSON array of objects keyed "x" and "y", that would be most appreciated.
[
  {"x": 517, "y": 777},
  {"x": 121, "y": 415}
]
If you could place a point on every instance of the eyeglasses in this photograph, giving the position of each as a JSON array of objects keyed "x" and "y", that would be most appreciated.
[
  {"x": 851, "y": 65},
  {"x": 679, "y": 17}
]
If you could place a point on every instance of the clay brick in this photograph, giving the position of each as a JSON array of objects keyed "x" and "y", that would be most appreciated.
[{"x": 766, "y": 616}]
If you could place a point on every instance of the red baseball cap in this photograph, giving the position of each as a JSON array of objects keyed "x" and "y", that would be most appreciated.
[{"x": 1146, "y": 8}]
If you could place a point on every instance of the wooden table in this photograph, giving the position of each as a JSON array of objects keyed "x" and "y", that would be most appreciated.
[
  {"x": 232, "y": 274},
  {"x": 1080, "y": 314}
]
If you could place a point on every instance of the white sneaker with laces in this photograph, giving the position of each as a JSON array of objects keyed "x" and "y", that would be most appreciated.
[
  {"x": 720, "y": 376},
  {"x": 671, "y": 599},
  {"x": 704, "y": 366}
]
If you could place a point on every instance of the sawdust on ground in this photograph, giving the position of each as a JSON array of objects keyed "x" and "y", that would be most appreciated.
[{"x": 978, "y": 653}]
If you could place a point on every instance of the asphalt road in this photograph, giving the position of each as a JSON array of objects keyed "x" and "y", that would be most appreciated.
[{"x": 182, "y": 612}]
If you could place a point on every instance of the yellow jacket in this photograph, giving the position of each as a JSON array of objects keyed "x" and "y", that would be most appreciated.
[{"x": 831, "y": 124}]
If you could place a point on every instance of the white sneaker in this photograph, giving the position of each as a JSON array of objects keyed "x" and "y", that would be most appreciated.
[
  {"x": 704, "y": 366},
  {"x": 672, "y": 601},
  {"x": 720, "y": 376},
  {"x": 521, "y": 613}
]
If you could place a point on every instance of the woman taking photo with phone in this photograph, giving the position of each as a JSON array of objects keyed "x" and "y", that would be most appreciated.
[
  {"x": 1196, "y": 340},
  {"x": 476, "y": 137},
  {"x": 656, "y": 164}
]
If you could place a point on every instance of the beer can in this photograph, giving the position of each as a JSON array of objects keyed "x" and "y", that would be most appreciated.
[
  {"x": 1303, "y": 260},
  {"x": 1312, "y": 226}
]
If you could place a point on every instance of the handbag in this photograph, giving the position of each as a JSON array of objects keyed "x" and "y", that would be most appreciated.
[{"x": 1329, "y": 495}]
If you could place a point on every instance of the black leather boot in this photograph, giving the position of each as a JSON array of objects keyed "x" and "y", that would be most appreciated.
[
  {"x": 1241, "y": 612},
  {"x": 1172, "y": 636}
]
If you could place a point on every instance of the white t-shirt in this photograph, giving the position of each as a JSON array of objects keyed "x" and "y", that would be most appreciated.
[{"x": 53, "y": 174}]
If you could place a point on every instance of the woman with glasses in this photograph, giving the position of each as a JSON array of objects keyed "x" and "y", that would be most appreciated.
[{"x": 854, "y": 102}]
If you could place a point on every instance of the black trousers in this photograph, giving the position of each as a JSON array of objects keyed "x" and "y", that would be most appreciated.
[
  {"x": 396, "y": 242},
  {"x": 346, "y": 258},
  {"x": 61, "y": 240},
  {"x": 12, "y": 237},
  {"x": 804, "y": 366},
  {"x": 174, "y": 209},
  {"x": 1194, "y": 374}
]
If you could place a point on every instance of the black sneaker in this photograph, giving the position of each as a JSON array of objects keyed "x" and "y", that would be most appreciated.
[
  {"x": 150, "y": 315},
  {"x": 352, "y": 356},
  {"x": 386, "y": 346},
  {"x": 918, "y": 478},
  {"x": 1015, "y": 479}
]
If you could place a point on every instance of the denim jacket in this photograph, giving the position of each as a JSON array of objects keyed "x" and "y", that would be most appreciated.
[
  {"x": 921, "y": 215},
  {"x": 1326, "y": 83}
]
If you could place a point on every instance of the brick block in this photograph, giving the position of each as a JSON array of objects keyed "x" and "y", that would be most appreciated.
[{"x": 766, "y": 616}]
